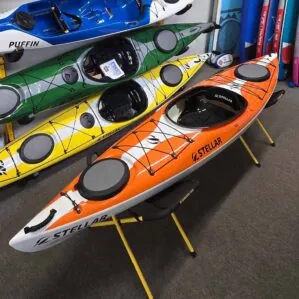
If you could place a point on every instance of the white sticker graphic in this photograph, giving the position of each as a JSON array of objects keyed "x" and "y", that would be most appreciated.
[{"x": 112, "y": 70}]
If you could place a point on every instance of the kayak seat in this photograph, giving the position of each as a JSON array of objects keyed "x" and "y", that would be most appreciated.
[
  {"x": 51, "y": 19},
  {"x": 133, "y": 102},
  {"x": 112, "y": 59},
  {"x": 205, "y": 108},
  {"x": 25, "y": 20}
]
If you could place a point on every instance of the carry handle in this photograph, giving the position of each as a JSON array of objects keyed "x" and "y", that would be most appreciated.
[{"x": 34, "y": 228}]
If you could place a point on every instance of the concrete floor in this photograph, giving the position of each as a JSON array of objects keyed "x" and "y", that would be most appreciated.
[{"x": 243, "y": 222}]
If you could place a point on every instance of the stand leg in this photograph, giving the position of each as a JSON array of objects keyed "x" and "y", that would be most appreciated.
[
  {"x": 2, "y": 68},
  {"x": 184, "y": 235},
  {"x": 132, "y": 257},
  {"x": 272, "y": 143},
  {"x": 9, "y": 132},
  {"x": 251, "y": 154}
]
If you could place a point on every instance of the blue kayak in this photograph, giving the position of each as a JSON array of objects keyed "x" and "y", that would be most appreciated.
[{"x": 46, "y": 23}]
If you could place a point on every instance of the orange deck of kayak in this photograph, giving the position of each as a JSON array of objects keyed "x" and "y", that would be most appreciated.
[{"x": 176, "y": 154}]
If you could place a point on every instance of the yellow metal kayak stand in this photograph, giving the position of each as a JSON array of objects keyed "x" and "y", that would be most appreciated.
[
  {"x": 2, "y": 68},
  {"x": 271, "y": 141},
  {"x": 248, "y": 149},
  {"x": 181, "y": 191},
  {"x": 10, "y": 135}
]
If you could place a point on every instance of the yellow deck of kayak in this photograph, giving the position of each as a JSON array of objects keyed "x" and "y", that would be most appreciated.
[{"x": 70, "y": 137}]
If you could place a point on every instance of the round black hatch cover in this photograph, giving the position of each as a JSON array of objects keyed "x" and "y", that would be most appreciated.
[
  {"x": 171, "y": 75},
  {"x": 9, "y": 101},
  {"x": 70, "y": 75},
  {"x": 165, "y": 40},
  {"x": 87, "y": 120},
  {"x": 252, "y": 72},
  {"x": 25, "y": 20},
  {"x": 36, "y": 148},
  {"x": 103, "y": 179}
]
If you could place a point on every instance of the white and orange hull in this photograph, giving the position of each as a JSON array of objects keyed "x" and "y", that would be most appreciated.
[{"x": 156, "y": 154}]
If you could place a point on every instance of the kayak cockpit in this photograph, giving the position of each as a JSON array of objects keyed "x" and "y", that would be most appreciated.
[
  {"x": 45, "y": 18},
  {"x": 122, "y": 103},
  {"x": 103, "y": 179},
  {"x": 57, "y": 17},
  {"x": 110, "y": 60},
  {"x": 205, "y": 107}
]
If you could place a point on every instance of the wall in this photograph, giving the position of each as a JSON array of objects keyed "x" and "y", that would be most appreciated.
[{"x": 200, "y": 12}]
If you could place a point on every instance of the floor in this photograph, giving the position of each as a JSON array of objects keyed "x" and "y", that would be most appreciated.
[{"x": 243, "y": 222}]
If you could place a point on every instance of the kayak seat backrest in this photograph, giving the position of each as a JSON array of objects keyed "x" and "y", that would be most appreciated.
[{"x": 206, "y": 107}]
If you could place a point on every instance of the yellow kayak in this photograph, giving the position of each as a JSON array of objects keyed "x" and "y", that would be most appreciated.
[{"x": 82, "y": 125}]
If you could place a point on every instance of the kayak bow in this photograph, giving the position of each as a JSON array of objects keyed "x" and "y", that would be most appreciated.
[{"x": 172, "y": 143}]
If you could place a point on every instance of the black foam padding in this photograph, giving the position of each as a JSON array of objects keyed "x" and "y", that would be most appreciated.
[
  {"x": 103, "y": 179},
  {"x": 252, "y": 72},
  {"x": 25, "y": 20},
  {"x": 171, "y": 75},
  {"x": 36, "y": 148},
  {"x": 9, "y": 101},
  {"x": 87, "y": 120},
  {"x": 70, "y": 75},
  {"x": 165, "y": 40}
]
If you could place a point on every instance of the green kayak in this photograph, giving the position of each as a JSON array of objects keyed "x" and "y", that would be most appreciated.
[{"x": 87, "y": 70}]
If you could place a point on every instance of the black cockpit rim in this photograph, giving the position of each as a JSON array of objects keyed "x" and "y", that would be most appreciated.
[
  {"x": 120, "y": 49},
  {"x": 213, "y": 93},
  {"x": 123, "y": 102}
]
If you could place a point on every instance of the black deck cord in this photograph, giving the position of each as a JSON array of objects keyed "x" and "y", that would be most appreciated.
[
  {"x": 74, "y": 17},
  {"x": 75, "y": 205},
  {"x": 34, "y": 228}
]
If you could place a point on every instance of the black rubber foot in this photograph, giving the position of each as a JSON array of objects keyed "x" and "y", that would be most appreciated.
[
  {"x": 258, "y": 165},
  {"x": 273, "y": 144},
  {"x": 193, "y": 254}
]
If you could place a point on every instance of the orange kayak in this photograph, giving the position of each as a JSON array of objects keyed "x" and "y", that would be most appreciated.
[{"x": 173, "y": 142}]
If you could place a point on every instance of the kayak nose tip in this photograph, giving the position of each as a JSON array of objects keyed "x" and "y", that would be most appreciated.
[{"x": 14, "y": 242}]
